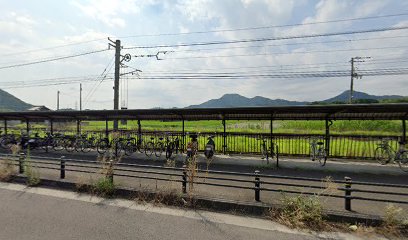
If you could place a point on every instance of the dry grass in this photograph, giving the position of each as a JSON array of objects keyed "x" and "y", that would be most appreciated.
[
  {"x": 192, "y": 173},
  {"x": 82, "y": 184},
  {"x": 170, "y": 163},
  {"x": 395, "y": 222},
  {"x": 7, "y": 170},
  {"x": 305, "y": 211},
  {"x": 31, "y": 172}
]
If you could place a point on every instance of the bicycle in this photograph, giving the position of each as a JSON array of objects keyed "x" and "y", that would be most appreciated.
[
  {"x": 385, "y": 154},
  {"x": 86, "y": 144},
  {"x": 209, "y": 148},
  {"x": 172, "y": 146},
  {"x": 104, "y": 144},
  {"x": 153, "y": 146},
  {"x": 192, "y": 148},
  {"x": 317, "y": 151},
  {"x": 271, "y": 152}
]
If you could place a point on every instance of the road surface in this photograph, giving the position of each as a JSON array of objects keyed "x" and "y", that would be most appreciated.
[{"x": 37, "y": 213}]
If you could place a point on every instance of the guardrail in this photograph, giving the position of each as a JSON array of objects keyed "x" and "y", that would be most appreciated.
[{"x": 256, "y": 181}]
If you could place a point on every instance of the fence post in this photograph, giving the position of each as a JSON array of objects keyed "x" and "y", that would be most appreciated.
[
  {"x": 257, "y": 186},
  {"x": 21, "y": 163},
  {"x": 110, "y": 171},
  {"x": 224, "y": 137},
  {"x": 184, "y": 179},
  {"x": 347, "y": 194},
  {"x": 62, "y": 173}
]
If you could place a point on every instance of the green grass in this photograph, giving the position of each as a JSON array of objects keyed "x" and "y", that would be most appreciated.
[{"x": 354, "y": 127}]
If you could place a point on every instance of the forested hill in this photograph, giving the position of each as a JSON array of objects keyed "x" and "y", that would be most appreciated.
[{"x": 10, "y": 103}]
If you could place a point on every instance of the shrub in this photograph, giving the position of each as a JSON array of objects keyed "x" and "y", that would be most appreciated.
[
  {"x": 301, "y": 211},
  {"x": 7, "y": 170},
  {"x": 104, "y": 187},
  {"x": 32, "y": 174}
]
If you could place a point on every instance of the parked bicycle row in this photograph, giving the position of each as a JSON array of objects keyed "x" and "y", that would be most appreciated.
[
  {"x": 170, "y": 144},
  {"x": 155, "y": 145}
]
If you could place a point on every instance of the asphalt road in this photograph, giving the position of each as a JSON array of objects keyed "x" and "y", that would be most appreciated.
[{"x": 36, "y": 213}]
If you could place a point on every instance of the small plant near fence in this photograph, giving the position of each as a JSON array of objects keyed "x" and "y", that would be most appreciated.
[
  {"x": 305, "y": 211},
  {"x": 301, "y": 211},
  {"x": 192, "y": 173},
  {"x": 32, "y": 174},
  {"x": 7, "y": 170},
  {"x": 395, "y": 221},
  {"x": 105, "y": 186}
]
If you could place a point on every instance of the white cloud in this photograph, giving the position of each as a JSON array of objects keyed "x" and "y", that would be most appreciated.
[{"x": 109, "y": 12}]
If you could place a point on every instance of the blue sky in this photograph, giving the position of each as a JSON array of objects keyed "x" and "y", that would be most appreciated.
[{"x": 85, "y": 25}]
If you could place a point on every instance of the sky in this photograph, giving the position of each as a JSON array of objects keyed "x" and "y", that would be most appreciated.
[{"x": 37, "y": 36}]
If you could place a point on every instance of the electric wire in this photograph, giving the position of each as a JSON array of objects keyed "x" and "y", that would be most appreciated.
[
  {"x": 268, "y": 27},
  {"x": 272, "y": 38},
  {"x": 52, "y": 59}
]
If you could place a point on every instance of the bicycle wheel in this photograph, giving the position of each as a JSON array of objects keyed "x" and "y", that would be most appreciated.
[
  {"x": 169, "y": 150},
  {"x": 275, "y": 153},
  {"x": 69, "y": 145},
  {"x": 78, "y": 145},
  {"x": 321, "y": 156},
  {"x": 139, "y": 147},
  {"x": 403, "y": 161},
  {"x": 130, "y": 148},
  {"x": 102, "y": 146},
  {"x": 382, "y": 155},
  {"x": 86, "y": 146},
  {"x": 58, "y": 144},
  {"x": 158, "y": 149},
  {"x": 313, "y": 152},
  {"x": 149, "y": 149},
  {"x": 264, "y": 151}
]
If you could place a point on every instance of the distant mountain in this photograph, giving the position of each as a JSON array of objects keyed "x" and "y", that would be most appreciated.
[
  {"x": 10, "y": 103},
  {"x": 236, "y": 100},
  {"x": 344, "y": 97}
]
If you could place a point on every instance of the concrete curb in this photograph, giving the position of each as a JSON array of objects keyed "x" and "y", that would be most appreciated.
[{"x": 215, "y": 204}]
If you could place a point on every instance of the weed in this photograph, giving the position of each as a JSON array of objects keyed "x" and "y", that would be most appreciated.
[
  {"x": 7, "y": 170},
  {"x": 83, "y": 184},
  {"x": 170, "y": 163},
  {"x": 192, "y": 174},
  {"x": 104, "y": 187},
  {"x": 395, "y": 222},
  {"x": 31, "y": 173},
  {"x": 301, "y": 212}
]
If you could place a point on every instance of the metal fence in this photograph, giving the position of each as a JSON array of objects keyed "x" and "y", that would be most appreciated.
[
  {"x": 258, "y": 183},
  {"x": 341, "y": 146}
]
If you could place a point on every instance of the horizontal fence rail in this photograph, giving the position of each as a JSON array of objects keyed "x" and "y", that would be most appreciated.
[{"x": 339, "y": 189}]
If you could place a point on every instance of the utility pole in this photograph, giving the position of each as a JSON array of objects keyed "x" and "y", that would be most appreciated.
[
  {"x": 352, "y": 79},
  {"x": 80, "y": 97},
  {"x": 354, "y": 75},
  {"x": 58, "y": 93},
  {"x": 117, "y": 47}
]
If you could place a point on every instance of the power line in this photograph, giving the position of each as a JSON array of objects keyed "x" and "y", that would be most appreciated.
[
  {"x": 101, "y": 77},
  {"x": 268, "y": 27},
  {"x": 51, "y": 83},
  {"x": 285, "y": 53},
  {"x": 52, "y": 59},
  {"x": 272, "y": 38},
  {"x": 52, "y": 47},
  {"x": 287, "y": 44}
]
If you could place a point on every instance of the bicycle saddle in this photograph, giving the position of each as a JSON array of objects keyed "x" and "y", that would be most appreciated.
[
  {"x": 320, "y": 143},
  {"x": 160, "y": 138}
]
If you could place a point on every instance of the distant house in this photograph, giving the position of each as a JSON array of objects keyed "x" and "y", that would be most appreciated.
[{"x": 39, "y": 108}]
